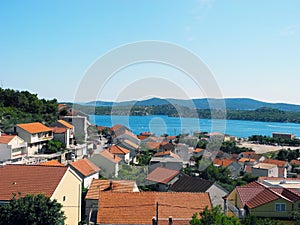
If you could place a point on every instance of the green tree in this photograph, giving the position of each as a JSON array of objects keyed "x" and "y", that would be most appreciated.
[
  {"x": 213, "y": 216},
  {"x": 32, "y": 210},
  {"x": 253, "y": 220}
]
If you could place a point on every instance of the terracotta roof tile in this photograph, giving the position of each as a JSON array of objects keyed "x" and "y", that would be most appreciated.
[
  {"x": 115, "y": 149},
  {"x": 140, "y": 207},
  {"x": 113, "y": 158},
  {"x": 242, "y": 160},
  {"x": 279, "y": 163},
  {"x": 5, "y": 139},
  {"x": 34, "y": 128},
  {"x": 255, "y": 194},
  {"x": 53, "y": 162},
  {"x": 66, "y": 124},
  {"x": 59, "y": 130},
  {"x": 29, "y": 179},
  {"x": 162, "y": 175},
  {"x": 85, "y": 167},
  {"x": 98, "y": 186},
  {"x": 167, "y": 153},
  {"x": 222, "y": 162}
]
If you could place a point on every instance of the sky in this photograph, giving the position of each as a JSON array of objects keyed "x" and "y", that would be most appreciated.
[{"x": 251, "y": 48}]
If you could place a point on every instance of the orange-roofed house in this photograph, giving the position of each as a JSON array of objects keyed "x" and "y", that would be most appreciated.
[
  {"x": 108, "y": 162},
  {"x": 140, "y": 207},
  {"x": 283, "y": 166},
  {"x": 35, "y": 134},
  {"x": 86, "y": 170},
  {"x": 262, "y": 201},
  {"x": 63, "y": 132},
  {"x": 56, "y": 182},
  {"x": 121, "y": 152},
  {"x": 162, "y": 178},
  {"x": 12, "y": 148},
  {"x": 234, "y": 167},
  {"x": 99, "y": 186},
  {"x": 167, "y": 154}
]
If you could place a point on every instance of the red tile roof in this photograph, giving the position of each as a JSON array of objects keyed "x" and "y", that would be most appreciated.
[
  {"x": 162, "y": 175},
  {"x": 34, "y": 128},
  {"x": 222, "y": 162},
  {"x": 197, "y": 150},
  {"x": 279, "y": 163},
  {"x": 140, "y": 207},
  {"x": 85, "y": 167},
  {"x": 29, "y": 179},
  {"x": 59, "y": 130},
  {"x": 98, "y": 186},
  {"x": 5, "y": 139},
  {"x": 53, "y": 162},
  {"x": 167, "y": 153},
  {"x": 255, "y": 194},
  {"x": 113, "y": 158},
  {"x": 66, "y": 124},
  {"x": 115, "y": 149},
  {"x": 117, "y": 127}
]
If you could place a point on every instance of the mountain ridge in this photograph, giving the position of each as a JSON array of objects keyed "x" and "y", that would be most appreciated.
[{"x": 203, "y": 103}]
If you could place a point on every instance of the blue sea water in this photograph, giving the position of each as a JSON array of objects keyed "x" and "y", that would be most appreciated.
[{"x": 159, "y": 124}]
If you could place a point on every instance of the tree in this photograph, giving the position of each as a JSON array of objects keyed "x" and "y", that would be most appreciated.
[
  {"x": 32, "y": 210},
  {"x": 213, "y": 216}
]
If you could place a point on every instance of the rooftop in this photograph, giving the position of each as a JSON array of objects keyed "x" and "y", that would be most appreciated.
[
  {"x": 66, "y": 124},
  {"x": 162, "y": 175},
  {"x": 116, "y": 149},
  {"x": 5, "y": 139},
  {"x": 111, "y": 157},
  {"x": 34, "y": 128},
  {"x": 140, "y": 207},
  {"x": 109, "y": 185},
  {"x": 29, "y": 179},
  {"x": 85, "y": 167},
  {"x": 265, "y": 166}
]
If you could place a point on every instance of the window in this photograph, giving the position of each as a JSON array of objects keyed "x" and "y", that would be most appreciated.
[{"x": 280, "y": 207}]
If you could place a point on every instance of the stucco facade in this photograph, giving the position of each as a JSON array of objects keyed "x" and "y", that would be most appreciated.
[{"x": 68, "y": 193}]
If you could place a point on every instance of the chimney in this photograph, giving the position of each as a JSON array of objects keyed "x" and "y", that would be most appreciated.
[
  {"x": 110, "y": 185},
  {"x": 153, "y": 221},
  {"x": 170, "y": 220}
]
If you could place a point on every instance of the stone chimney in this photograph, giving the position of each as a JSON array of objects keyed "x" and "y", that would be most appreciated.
[{"x": 225, "y": 205}]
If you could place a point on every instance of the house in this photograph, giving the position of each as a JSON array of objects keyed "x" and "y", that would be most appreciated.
[
  {"x": 165, "y": 162},
  {"x": 283, "y": 136},
  {"x": 98, "y": 187},
  {"x": 283, "y": 166},
  {"x": 167, "y": 154},
  {"x": 108, "y": 162},
  {"x": 118, "y": 129},
  {"x": 145, "y": 135},
  {"x": 132, "y": 208},
  {"x": 262, "y": 201},
  {"x": 86, "y": 170},
  {"x": 63, "y": 132},
  {"x": 196, "y": 184},
  {"x": 183, "y": 151},
  {"x": 121, "y": 152},
  {"x": 35, "y": 134},
  {"x": 265, "y": 170},
  {"x": 12, "y": 148},
  {"x": 80, "y": 124},
  {"x": 162, "y": 178},
  {"x": 56, "y": 182},
  {"x": 251, "y": 155}
]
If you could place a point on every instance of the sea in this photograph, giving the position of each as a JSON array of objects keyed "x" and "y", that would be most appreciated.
[{"x": 160, "y": 124}]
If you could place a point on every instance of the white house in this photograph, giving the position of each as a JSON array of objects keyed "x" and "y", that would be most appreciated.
[
  {"x": 86, "y": 170},
  {"x": 35, "y": 134},
  {"x": 108, "y": 162},
  {"x": 12, "y": 148}
]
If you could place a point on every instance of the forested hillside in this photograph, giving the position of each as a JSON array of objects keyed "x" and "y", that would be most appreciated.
[{"x": 23, "y": 107}]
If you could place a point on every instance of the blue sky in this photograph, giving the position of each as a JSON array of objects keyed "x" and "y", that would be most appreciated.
[{"x": 251, "y": 47}]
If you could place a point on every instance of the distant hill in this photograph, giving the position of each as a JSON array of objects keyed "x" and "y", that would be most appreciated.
[{"x": 231, "y": 103}]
